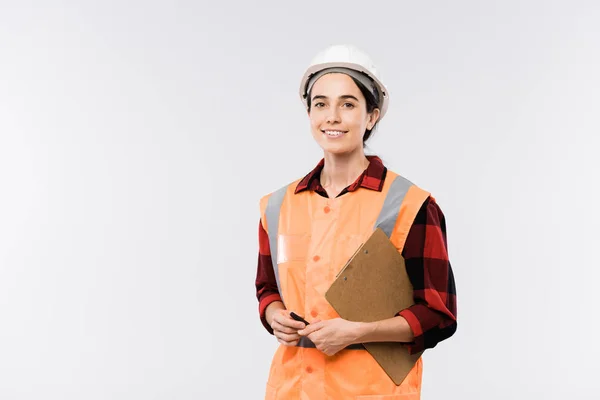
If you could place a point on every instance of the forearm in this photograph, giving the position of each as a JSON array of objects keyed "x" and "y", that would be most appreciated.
[
  {"x": 267, "y": 291},
  {"x": 272, "y": 309},
  {"x": 395, "y": 329}
]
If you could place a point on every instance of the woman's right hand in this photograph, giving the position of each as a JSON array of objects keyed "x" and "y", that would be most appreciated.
[{"x": 285, "y": 328}]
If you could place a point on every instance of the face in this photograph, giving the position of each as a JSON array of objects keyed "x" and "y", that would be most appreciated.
[{"x": 338, "y": 114}]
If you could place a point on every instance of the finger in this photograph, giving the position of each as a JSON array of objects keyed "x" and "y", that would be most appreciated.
[
  {"x": 286, "y": 343},
  {"x": 311, "y": 328},
  {"x": 307, "y": 331},
  {"x": 315, "y": 337},
  {"x": 287, "y": 337},
  {"x": 327, "y": 350},
  {"x": 278, "y": 327},
  {"x": 320, "y": 347},
  {"x": 292, "y": 323},
  {"x": 288, "y": 322}
]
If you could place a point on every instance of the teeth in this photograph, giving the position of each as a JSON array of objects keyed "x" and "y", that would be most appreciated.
[{"x": 334, "y": 133}]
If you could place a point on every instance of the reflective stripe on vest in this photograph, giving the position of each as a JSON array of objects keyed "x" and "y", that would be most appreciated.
[
  {"x": 386, "y": 221},
  {"x": 272, "y": 216},
  {"x": 391, "y": 206}
]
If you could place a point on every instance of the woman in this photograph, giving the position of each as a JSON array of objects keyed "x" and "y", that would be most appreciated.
[{"x": 309, "y": 228}]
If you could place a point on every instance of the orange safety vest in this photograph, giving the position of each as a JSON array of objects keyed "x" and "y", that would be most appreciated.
[{"x": 311, "y": 237}]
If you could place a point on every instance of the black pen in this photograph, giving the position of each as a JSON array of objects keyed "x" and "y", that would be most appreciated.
[{"x": 298, "y": 318}]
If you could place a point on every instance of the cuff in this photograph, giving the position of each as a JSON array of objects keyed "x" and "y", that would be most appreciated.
[{"x": 417, "y": 344}]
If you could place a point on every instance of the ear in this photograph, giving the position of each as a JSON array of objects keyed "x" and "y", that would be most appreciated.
[{"x": 373, "y": 117}]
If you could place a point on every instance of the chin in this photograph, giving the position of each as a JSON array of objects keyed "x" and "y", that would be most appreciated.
[
  {"x": 337, "y": 146},
  {"x": 338, "y": 149}
]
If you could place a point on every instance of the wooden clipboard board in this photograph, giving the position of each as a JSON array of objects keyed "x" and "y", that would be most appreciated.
[{"x": 374, "y": 285}]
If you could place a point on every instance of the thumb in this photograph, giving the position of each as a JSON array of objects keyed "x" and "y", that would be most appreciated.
[{"x": 314, "y": 326}]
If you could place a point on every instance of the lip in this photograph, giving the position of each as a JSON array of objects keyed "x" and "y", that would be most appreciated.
[{"x": 339, "y": 136}]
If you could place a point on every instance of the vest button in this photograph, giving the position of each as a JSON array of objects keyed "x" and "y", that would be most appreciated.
[
  {"x": 309, "y": 369},
  {"x": 327, "y": 209},
  {"x": 314, "y": 314},
  {"x": 316, "y": 258}
]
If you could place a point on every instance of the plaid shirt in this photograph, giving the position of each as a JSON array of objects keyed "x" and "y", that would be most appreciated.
[{"x": 433, "y": 316}]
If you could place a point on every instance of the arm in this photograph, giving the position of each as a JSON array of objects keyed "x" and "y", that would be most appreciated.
[
  {"x": 394, "y": 329},
  {"x": 423, "y": 325},
  {"x": 432, "y": 318},
  {"x": 266, "y": 285},
  {"x": 334, "y": 335},
  {"x": 273, "y": 314}
]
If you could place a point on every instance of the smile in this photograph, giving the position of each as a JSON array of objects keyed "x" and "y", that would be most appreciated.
[{"x": 334, "y": 134}]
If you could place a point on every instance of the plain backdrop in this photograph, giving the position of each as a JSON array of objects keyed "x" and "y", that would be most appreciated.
[{"x": 137, "y": 137}]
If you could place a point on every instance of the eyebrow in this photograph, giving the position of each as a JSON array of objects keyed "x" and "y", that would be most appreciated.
[{"x": 346, "y": 96}]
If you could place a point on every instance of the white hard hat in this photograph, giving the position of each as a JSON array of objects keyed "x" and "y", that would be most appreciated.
[{"x": 345, "y": 56}]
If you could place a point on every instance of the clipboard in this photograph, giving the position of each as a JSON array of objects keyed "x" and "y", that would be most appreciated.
[{"x": 374, "y": 285}]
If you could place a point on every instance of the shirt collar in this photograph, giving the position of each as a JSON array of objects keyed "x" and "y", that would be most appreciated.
[{"x": 372, "y": 177}]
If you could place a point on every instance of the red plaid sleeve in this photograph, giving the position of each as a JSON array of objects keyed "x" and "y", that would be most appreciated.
[
  {"x": 433, "y": 316},
  {"x": 266, "y": 284}
]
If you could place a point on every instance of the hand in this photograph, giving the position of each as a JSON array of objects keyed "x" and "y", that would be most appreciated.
[
  {"x": 285, "y": 328},
  {"x": 332, "y": 335}
]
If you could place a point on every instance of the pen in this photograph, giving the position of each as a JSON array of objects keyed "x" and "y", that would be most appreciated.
[{"x": 298, "y": 318}]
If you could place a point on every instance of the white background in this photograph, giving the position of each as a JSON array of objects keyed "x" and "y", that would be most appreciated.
[{"x": 137, "y": 138}]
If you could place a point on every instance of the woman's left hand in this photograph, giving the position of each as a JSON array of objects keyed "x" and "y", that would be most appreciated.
[{"x": 332, "y": 335}]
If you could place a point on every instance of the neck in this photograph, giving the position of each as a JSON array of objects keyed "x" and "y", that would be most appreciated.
[{"x": 340, "y": 170}]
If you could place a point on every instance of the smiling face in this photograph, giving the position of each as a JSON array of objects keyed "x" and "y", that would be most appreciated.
[{"x": 338, "y": 114}]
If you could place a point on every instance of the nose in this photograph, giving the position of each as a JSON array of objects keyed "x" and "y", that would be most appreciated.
[{"x": 333, "y": 115}]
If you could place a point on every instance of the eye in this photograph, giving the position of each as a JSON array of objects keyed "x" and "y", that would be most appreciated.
[
  {"x": 349, "y": 105},
  {"x": 319, "y": 104}
]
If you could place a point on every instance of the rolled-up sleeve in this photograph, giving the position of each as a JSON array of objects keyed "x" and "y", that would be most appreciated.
[
  {"x": 266, "y": 284},
  {"x": 433, "y": 316}
]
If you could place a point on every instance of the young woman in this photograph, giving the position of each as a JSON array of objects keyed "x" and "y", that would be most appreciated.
[{"x": 309, "y": 228}]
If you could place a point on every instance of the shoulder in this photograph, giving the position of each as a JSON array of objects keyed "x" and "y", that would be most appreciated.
[
  {"x": 430, "y": 213},
  {"x": 417, "y": 194},
  {"x": 392, "y": 175},
  {"x": 280, "y": 192},
  {"x": 288, "y": 186},
  {"x": 429, "y": 206}
]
